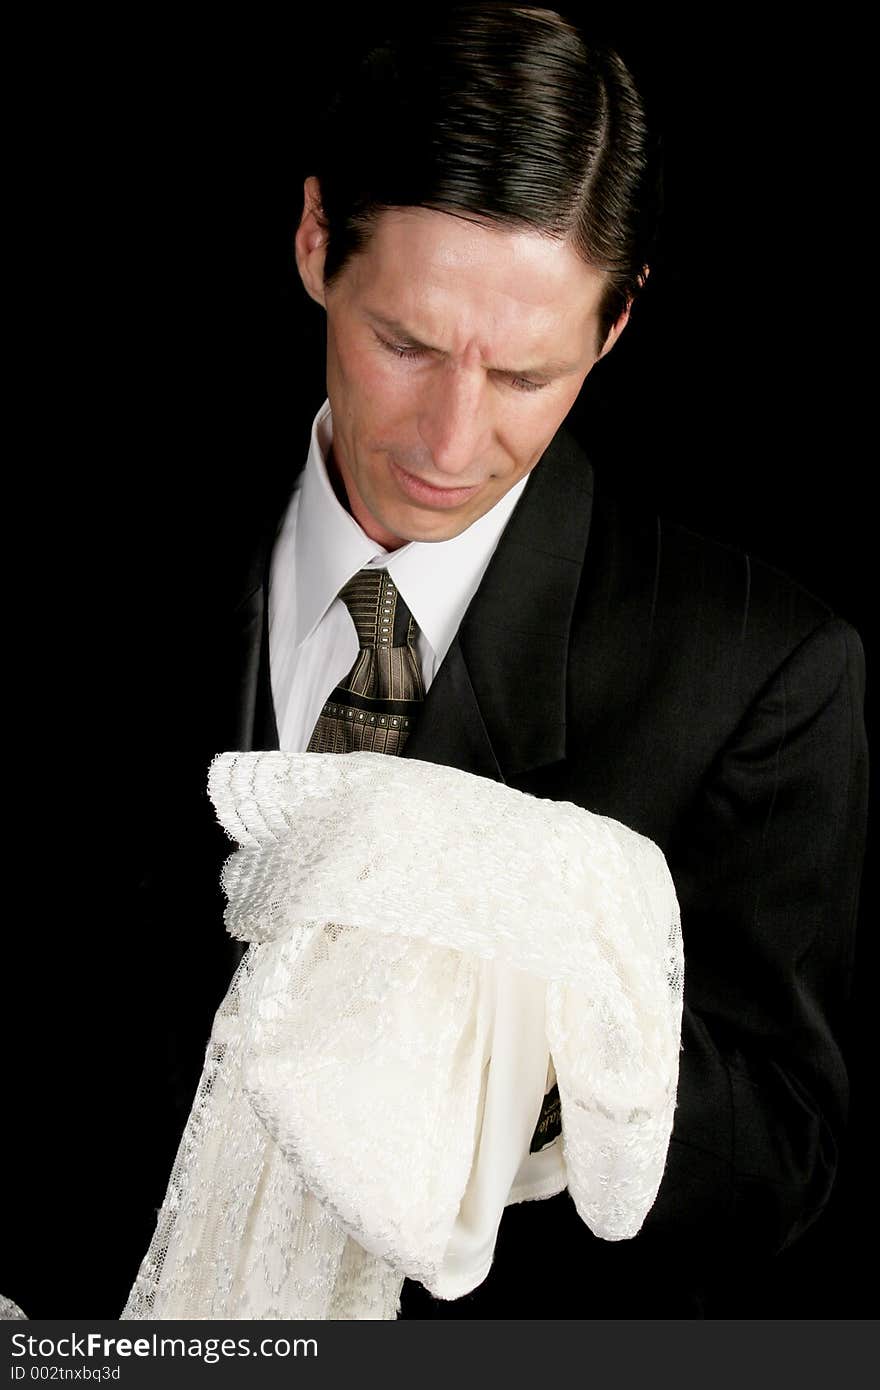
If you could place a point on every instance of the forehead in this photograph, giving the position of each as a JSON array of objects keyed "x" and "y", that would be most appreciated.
[{"x": 468, "y": 279}]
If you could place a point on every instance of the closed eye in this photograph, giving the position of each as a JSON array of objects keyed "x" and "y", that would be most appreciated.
[
  {"x": 401, "y": 351},
  {"x": 409, "y": 354}
]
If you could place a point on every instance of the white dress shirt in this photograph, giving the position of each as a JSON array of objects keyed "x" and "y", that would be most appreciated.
[{"x": 319, "y": 547}]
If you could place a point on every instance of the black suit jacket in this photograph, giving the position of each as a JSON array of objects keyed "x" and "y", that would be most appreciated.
[{"x": 707, "y": 701}]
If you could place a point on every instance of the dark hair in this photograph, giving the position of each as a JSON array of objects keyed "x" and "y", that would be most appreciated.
[{"x": 497, "y": 113}]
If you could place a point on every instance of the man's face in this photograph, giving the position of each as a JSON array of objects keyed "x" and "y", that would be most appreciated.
[{"x": 454, "y": 352}]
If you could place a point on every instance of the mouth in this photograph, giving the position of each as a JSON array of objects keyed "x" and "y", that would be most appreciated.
[{"x": 428, "y": 495}]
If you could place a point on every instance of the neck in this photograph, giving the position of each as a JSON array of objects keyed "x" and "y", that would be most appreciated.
[{"x": 353, "y": 505}]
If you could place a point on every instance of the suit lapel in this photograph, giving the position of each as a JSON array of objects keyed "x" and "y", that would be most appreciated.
[
  {"x": 451, "y": 730},
  {"x": 251, "y": 686},
  {"x": 496, "y": 706}
]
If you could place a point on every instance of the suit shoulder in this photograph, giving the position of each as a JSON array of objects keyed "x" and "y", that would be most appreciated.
[{"x": 697, "y": 587}]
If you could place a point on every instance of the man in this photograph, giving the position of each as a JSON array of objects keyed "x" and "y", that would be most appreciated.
[{"x": 476, "y": 229}]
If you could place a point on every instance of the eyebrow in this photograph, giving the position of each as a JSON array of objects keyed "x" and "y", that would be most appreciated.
[{"x": 546, "y": 371}]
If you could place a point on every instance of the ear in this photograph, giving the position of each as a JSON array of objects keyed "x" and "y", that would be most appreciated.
[
  {"x": 615, "y": 332},
  {"x": 311, "y": 241},
  {"x": 624, "y": 318}
]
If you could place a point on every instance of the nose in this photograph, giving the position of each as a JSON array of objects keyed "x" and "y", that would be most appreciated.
[{"x": 453, "y": 422}]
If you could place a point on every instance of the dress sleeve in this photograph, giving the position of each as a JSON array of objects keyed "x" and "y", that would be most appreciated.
[{"x": 420, "y": 941}]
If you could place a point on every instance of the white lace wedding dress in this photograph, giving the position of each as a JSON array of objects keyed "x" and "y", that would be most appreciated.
[{"x": 426, "y": 948}]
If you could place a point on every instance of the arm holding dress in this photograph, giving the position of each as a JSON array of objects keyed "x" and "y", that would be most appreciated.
[{"x": 767, "y": 873}]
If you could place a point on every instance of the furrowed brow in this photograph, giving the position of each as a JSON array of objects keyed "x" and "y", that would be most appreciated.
[{"x": 544, "y": 372}]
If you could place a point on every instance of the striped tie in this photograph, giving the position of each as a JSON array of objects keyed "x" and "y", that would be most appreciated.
[{"x": 374, "y": 708}]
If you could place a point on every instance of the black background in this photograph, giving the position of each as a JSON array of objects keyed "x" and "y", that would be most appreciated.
[{"x": 179, "y": 371}]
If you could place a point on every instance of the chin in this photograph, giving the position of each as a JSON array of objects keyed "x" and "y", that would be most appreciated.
[{"x": 433, "y": 528}]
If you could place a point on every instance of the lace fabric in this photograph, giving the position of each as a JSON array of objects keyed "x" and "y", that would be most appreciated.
[{"x": 422, "y": 943}]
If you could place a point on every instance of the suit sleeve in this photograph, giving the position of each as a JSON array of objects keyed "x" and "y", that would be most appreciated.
[{"x": 767, "y": 872}]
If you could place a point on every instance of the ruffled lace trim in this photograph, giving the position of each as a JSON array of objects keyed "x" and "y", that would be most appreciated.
[{"x": 411, "y": 926}]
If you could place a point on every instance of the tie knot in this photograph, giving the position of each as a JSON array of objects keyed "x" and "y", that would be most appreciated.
[{"x": 380, "y": 616}]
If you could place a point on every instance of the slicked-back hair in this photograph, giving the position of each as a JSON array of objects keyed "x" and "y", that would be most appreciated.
[{"x": 501, "y": 114}]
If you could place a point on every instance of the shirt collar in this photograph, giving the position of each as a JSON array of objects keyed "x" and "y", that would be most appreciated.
[{"x": 437, "y": 579}]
